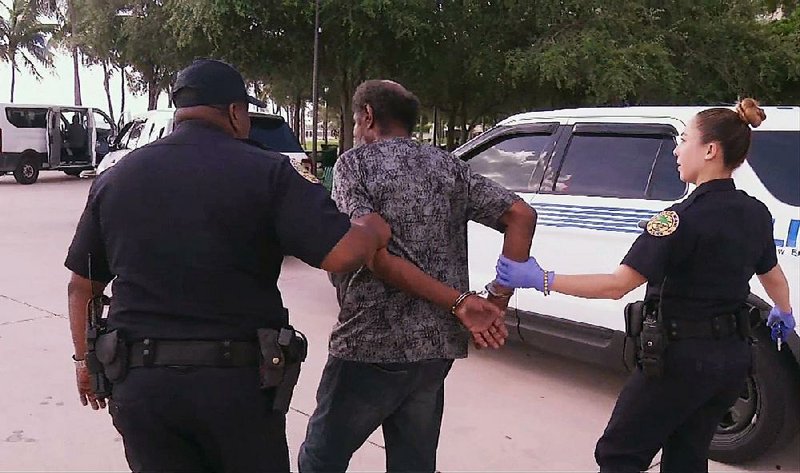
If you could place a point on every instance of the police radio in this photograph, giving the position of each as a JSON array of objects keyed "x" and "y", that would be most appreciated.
[
  {"x": 96, "y": 327},
  {"x": 653, "y": 340}
]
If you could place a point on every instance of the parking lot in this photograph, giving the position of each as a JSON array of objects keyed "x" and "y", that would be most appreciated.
[{"x": 516, "y": 409}]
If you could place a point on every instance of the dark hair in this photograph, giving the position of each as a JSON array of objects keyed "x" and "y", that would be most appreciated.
[
  {"x": 390, "y": 103},
  {"x": 731, "y": 129}
]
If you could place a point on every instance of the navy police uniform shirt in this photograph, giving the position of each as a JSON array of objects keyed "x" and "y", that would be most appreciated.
[
  {"x": 193, "y": 229},
  {"x": 707, "y": 247}
]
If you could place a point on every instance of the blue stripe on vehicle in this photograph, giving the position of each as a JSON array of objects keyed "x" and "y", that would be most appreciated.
[
  {"x": 590, "y": 221},
  {"x": 593, "y": 227},
  {"x": 606, "y": 216},
  {"x": 611, "y": 219},
  {"x": 586, "y": 207}
]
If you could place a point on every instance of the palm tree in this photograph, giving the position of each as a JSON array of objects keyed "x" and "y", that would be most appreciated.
[{"x": 23, "y": 38}]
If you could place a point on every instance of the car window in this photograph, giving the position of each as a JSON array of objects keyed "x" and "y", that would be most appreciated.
[
  {"x": 133, "y": 134},
  {"x": 512, "y": 161},
  {"x": 610, "y": 165},
  {"x": 775, "y": 158},
  {"x": 275, "y": 134},
  {"x": 665, "y": 183},
  {"x": 102, "y": 122},
  {"x": 27, "y": 117}
]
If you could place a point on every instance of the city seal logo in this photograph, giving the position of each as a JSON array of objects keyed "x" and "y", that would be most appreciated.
[
  {"x": 663, "y": 223},
  {"x": 304, "y": 172}
]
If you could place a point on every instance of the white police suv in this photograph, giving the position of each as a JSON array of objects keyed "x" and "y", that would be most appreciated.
[
  {"x": 269, "y": 130},
  {"x": 592, "y": 175}
]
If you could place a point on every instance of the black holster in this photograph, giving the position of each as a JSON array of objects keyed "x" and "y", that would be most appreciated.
[
  {"x": 645, "y": 338},
  {"x": 282, "y": 353}
]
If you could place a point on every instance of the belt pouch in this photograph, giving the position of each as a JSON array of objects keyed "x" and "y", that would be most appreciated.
[{"x": 112, "y": 352}]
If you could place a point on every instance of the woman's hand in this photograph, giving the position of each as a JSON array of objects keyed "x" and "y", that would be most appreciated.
[{"x": 527, "y": 274}]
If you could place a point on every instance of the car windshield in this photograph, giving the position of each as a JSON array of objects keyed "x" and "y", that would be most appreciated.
[
  {"x": 775, "y": 158},
  {"x": 275, "y": 134}
]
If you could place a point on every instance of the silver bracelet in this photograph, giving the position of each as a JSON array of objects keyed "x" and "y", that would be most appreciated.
[{"x": 546, "y": 285}]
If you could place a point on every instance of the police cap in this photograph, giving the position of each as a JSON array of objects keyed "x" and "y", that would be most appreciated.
[{"x": 212, "y": 82}]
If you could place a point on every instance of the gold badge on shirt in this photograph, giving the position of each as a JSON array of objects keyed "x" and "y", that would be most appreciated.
[
  {"x": 663, "y": 223},
  {"x": 304, "y": 172}
]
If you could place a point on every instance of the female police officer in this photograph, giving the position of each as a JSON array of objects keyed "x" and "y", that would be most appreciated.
[{"x": 697, "y": 257}]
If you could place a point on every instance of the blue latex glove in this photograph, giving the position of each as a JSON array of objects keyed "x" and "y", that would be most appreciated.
[
  {"x": 780, "y": 323},
  {"x": 528, "y": 274}
]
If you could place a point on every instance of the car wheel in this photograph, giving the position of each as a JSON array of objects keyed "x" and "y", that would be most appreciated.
[
  {"x": 765, "y": 413},
  {"x": 73, "y": 172},
  {"x": 27, "y": 171}
]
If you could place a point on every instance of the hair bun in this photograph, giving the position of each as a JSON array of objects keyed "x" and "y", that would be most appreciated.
[{"x": 750, "y": 112}]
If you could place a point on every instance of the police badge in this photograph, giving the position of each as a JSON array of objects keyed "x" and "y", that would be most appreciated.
[{"x": 663, "y": 223}]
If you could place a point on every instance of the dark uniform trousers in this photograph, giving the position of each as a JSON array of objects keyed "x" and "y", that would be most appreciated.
[
  {"x": 190, "y": 419},
  {"x": 677, "y": 412}
]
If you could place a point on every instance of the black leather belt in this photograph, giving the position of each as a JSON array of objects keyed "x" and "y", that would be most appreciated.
[
  {"x": 221, "y": 353},
  {"x": 722, "y": 326}
]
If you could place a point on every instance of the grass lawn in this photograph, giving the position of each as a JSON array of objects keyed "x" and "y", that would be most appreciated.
[{"x": 320, "y": 144}]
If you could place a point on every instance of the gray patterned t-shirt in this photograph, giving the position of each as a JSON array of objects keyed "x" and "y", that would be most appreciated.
[{"x": 427, "y": 196}]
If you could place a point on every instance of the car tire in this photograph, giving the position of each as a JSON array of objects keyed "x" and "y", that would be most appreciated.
[
  {"x": 766, "y": 413},
  {"x": 73, "y": 172},
  {"x": 27, "y": 171}
]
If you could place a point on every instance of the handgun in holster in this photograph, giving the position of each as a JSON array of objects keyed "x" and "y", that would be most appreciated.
[{"x": 282, "y": 353}]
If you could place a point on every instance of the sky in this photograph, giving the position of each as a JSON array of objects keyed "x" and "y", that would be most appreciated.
[{"x": 56, "y": 87}]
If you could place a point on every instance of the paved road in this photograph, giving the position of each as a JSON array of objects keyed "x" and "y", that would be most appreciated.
[{"x": 517, "y": 409}]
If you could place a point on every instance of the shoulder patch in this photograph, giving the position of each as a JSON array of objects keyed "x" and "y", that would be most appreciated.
[
  {"x": 303, "y": 172},
  {"x": 663, "y": 223}
]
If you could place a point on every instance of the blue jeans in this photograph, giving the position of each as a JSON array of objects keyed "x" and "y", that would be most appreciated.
[{"x": 353, "y": 399}]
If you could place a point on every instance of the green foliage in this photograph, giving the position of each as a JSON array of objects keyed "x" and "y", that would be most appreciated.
[
  {"x": 24, "y": 38},
  {"x": 474, "y": 60}
]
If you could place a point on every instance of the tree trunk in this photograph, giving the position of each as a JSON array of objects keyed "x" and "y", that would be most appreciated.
[
  {"x": 76, "y": 63},
  {"x": 325, "y": 124},
  {"x": 169, "y": 96},
  {"x": 152, "y": 91},
  {"x": 303, "y": 128},
  {"x": 346, "y": 108},
  {"x": 464, "y": 131},
  {"x": 122, "y": 93},
  {"x": 107, "y": 87},
  {"x": 76, "y": 77},
  {"x": 13, "y": 74},
  {"x": 296, "y": 120},
  {"x": 451, "y": 127}
]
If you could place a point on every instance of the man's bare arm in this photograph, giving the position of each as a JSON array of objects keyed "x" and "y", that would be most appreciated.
[
  {"x": 476, "y": 314},
  {"x": 358, "y": 246},
  {"x": 520, "y": 223},
  {"x": 79, "y": 291}
]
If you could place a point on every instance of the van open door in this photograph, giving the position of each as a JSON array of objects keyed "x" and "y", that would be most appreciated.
[
  {"x": 91, "y": 133},
  {"x": 54, "y": 140}
]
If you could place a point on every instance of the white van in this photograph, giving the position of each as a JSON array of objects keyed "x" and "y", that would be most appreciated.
[
  {"x": 51, "y": 137},
  {"x": 592, "y": 175},
  {"x": 270, "y": 131}
]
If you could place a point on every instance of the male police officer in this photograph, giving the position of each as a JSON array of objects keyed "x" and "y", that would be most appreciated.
[{"x": 193, "y": 229}]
